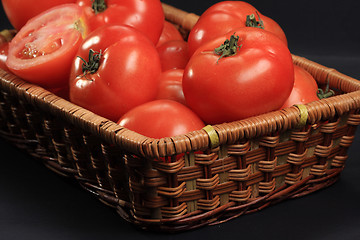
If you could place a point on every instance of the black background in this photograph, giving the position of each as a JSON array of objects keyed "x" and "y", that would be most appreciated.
[{"x": 37, "y": 204}]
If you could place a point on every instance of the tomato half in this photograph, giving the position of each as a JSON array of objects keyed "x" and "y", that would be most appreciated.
[
  {"x": 144, "y": 15},
  {"x": 43, "y": 50},
  {"x": 161, "y": 118},
  {"x": 304, "y": 90},
  {"x": 170, "y": 86},
  {"x": 223, "y": 17},
  {"x": 20, "y": 11},
  {"x": 255, "y": 78},
  {"x": 125, "y": 72},
  {"x": 173, "y": 54}
]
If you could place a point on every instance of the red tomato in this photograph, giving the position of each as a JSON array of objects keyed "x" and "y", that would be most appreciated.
[
  {"x": 5, "y": 37},
  {"x": 145, "y": 15},
  {"x": 124, "y": 75},
  {"x": 43, "y": 50},
  {"x": 256, "y": 78},
  {"x": 4, "y": 48},
  {"x": 304, "y": 90},
  {"x": 169, "y": 32},
  {"x": 170, "y": 86},
  {"x": 223, "y": 17},
  {"x": 173, "y": 54},
  {"x": 161, "y": 118},
  {"x": 20, "y": 11}
]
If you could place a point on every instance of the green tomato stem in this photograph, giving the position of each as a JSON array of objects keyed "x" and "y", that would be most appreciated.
[
  {"x": 228, "y": 48},
  {"x": 92, "y": 65},
  {"x": 252, "y": 22},
  {"x": 98, "y": 6}
]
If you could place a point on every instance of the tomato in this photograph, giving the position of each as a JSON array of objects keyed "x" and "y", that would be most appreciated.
[
  {"x": 170, "y": 86},
  {"x": 43, "y": 50},
  {"x": 4, "y": 49},
  {"x": 304, "y": 90},
  {"x": 5, "y": 38},
  {"x": 161, "y": 118},
  {"x": 169, "y": 32},
  {"x": 223, "y": 17},
  {"x": 145, "y": 15},
  {"x": 125, "y": 73},
  {"x": 173, "y": 54},
  {"x": 255, "y": 78},
  {"x": 20, "y": 11}
]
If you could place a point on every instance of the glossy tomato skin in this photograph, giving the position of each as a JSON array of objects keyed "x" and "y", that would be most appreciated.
[
  {"x": 127, "y": 75},
  {"x": 144, "y": 15},
  {"x": 4, "y": 49},
  {"x": 304, "y": 90},
  {"x": 43, "y": 50},
  {"x": 169, "y": 32},
  {"x": 222, "y": 18},
  {"x": 257, "y": 79},
  {"x": 20, "y": 11},
  {"x": 161, "y": 118},
  {"x": 170, "y": 86},
  {"x": 173, "y": 54}
]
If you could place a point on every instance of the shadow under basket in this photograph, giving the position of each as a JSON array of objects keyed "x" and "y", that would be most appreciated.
[{"x": 199, "y": 178}]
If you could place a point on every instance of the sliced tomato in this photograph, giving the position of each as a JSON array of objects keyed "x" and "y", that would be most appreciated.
[{"x": 43, "y": 50}]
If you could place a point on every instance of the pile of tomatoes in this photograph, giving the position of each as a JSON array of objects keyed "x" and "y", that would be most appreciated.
[{"x": 124, "y": 61}]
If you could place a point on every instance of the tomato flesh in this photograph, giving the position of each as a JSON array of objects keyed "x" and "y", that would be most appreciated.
[{"x": 42, "y": 51}]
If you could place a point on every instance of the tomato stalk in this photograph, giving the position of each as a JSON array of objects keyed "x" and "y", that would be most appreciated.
[
  {"x": 228, "y": 48},
  {"x": 91, "y": 66},
  {"x": 98, "y": 6},
  {"x": 325, "y": 93},
  {"x": 252, "y": 22}
]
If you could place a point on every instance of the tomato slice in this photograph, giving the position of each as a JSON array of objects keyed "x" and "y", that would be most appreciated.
[{"x": 43, "y": 50}]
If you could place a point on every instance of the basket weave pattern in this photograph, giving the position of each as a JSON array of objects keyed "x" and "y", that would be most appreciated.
[{"x": 188, "y": 181}]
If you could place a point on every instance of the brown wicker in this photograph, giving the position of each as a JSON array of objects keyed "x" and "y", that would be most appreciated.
[{"x": 227, "y": 170}]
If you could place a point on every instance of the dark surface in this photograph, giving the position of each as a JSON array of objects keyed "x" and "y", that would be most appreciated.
[{"x": 37, "y": 204}]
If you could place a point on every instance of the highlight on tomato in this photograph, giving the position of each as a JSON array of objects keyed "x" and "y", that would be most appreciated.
[
  {"x": 170, "y": 86},
  {"x": 20, "y": 11},
  {"x": 223, "y": 17},
  {"x": 116, "y": 69},
  {"x": 43, "y": 50},
  {"x": 305, "y": 88},
  {"x": 161, "y": 118},
  {"x": 144, "y": 15},
  {"x": 238, "y": 75}
]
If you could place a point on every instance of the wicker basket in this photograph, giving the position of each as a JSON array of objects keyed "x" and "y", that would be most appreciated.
[{"x": 226, "y": 170}]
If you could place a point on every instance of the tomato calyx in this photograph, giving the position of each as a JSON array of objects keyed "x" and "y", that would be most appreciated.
[
  {"x": 6, "y": 35},
  {"x": 229, "y": 48},
  {"x": 252, "y": 22},
  {"x": 98, "y": 6},
  {"x": 92, "y": 65},
  {"x": 325, "y": 93}
]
